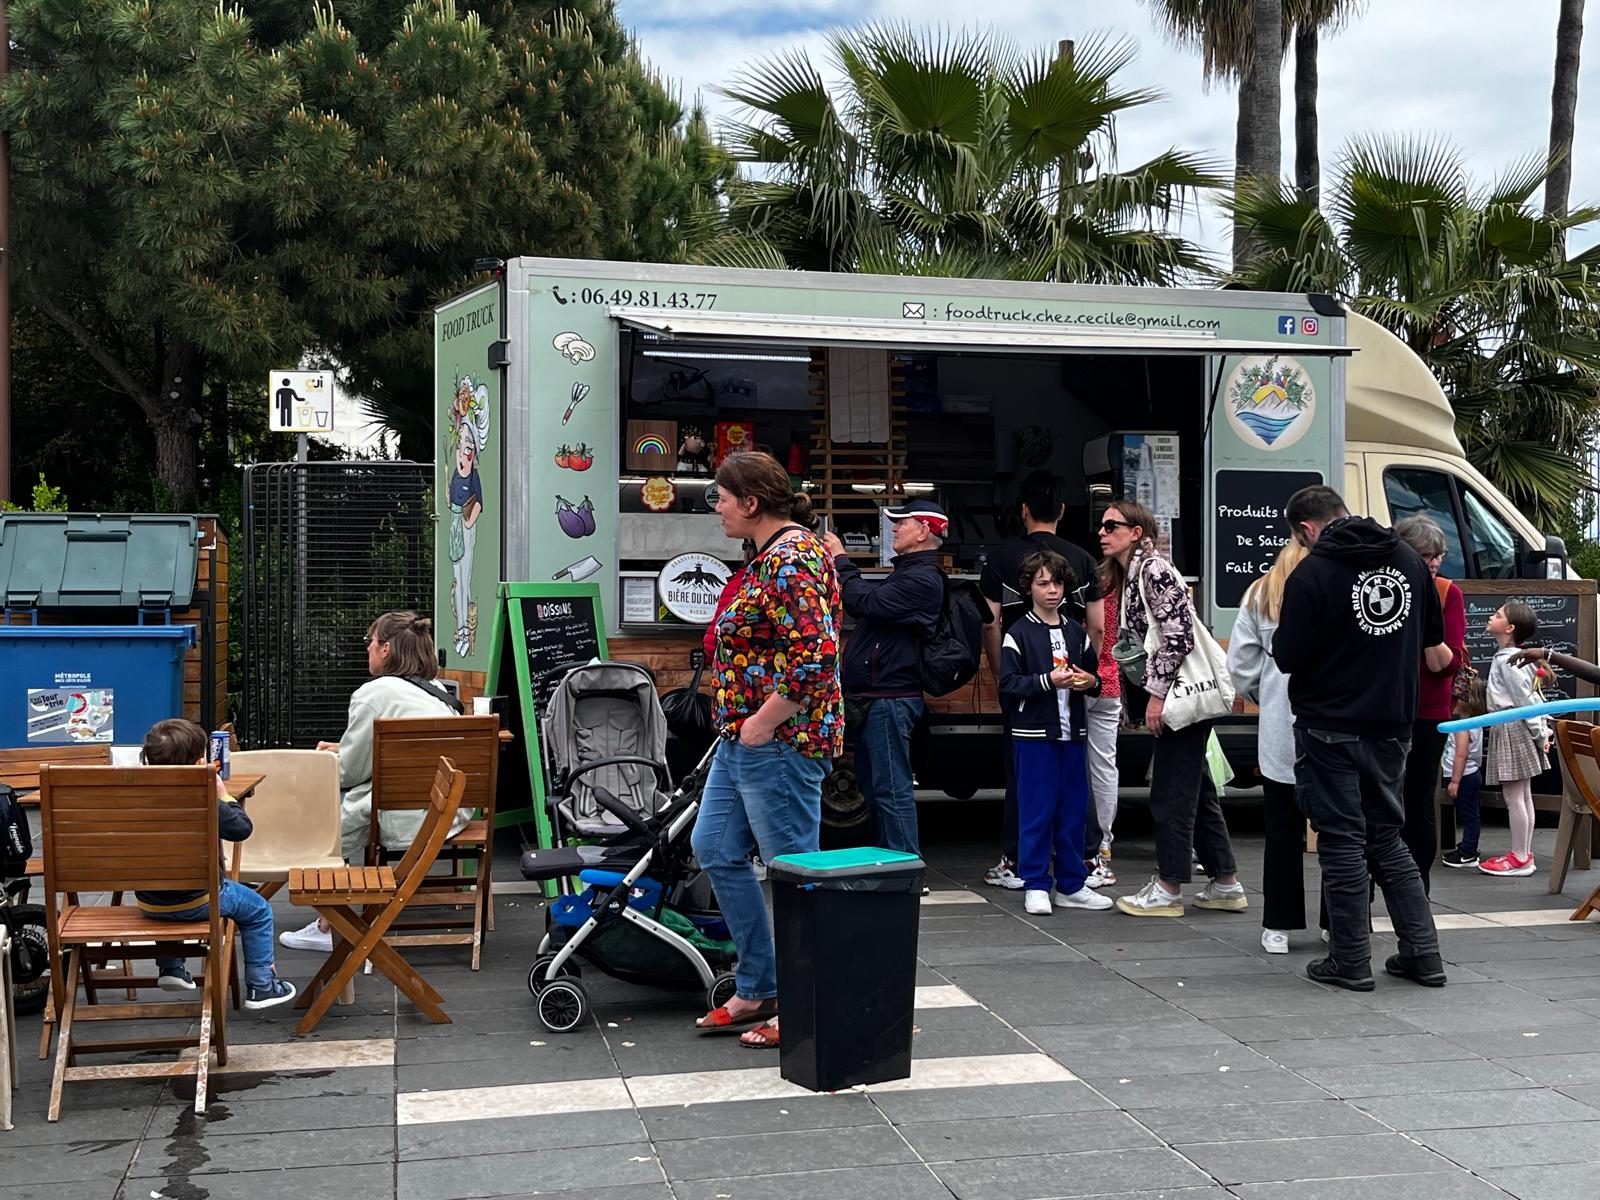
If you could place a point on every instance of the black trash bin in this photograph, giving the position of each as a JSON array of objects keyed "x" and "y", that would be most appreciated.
[{"x": 846, "y": 927}]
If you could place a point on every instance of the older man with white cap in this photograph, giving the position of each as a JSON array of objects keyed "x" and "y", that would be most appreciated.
[{"x": 894, "y": 616}]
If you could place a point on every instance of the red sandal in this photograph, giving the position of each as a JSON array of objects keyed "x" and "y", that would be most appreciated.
[
  {"x": 719, "y": 1020},
  {"x": 762, "y": 1037}
]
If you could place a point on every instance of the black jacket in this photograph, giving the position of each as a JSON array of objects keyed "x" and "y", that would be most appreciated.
[
  {"x": 1029, "y": 698},
  {"x": 894, "y": 616},
  {"x": 1001, "y": 578},
  {"x": 233, "y": 825},
  {"x": 1357, "y": 616}
]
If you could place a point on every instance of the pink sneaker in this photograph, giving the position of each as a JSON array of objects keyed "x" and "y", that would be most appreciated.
[{"x": 1507, "y": 865}]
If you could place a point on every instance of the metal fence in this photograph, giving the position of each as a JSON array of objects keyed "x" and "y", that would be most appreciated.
[{"x": 328, "y": 546}]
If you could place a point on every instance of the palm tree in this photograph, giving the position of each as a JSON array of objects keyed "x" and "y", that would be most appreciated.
[
  {"x": 1475, "y": 280},
  {"x": 944, "y": 154},
  {"x": 1564, "y": 106},
  {"x": 1226, "y": 34}
]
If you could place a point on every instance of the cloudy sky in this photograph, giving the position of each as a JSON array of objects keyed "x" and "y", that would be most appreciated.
[{"x": 1475, "y": 71}]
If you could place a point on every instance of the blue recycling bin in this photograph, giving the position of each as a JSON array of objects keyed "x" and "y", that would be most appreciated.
[
  {"x": 93, "y": 677},
  {"x": 71, "y": 685}
]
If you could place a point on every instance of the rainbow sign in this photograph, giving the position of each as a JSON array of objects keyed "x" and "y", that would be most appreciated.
[{"x": 650, "y": 445}]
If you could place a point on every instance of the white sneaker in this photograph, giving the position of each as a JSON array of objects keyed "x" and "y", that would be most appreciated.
[
  {"x": 1084, "y": 897},
  {"x": 1003, "y": 875},
  {"x": 1275, "y": 941},
  {"x": 1036, "y": 902},
  {"x": 1102, "y": 875},
  {"x": 1222, "y": 897},
  {"x": 309, "y": 938},
  {"x": 1152, "y": 900}
]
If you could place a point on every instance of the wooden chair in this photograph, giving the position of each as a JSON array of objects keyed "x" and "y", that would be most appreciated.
[
  {"x": 1580, "y": 752},
  {"x": 380, "y": 894},
  {"x": 405, "y": 752},
  {"x": 20, "y": 769},
  {"x": 1581, "y": 774},
  {"x": 117, "y": 829}
]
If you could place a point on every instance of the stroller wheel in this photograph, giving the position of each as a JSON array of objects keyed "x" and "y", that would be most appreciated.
[
  {"x": 722, "y": 990},
  {"x": 541, "y": 968},
  {"x": 563, "y": 1004}
]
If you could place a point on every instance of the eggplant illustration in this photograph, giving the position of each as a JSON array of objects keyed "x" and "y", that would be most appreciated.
[{"x": 576, "y": 520}]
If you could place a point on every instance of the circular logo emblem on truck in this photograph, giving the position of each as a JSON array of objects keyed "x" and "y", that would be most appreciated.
[
  {"x": 690, "y": 584},
  {"x": 1270, "y": 402}
]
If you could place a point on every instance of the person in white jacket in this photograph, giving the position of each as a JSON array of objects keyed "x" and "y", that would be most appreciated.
[
  {"x": 1515, "y": 752},
  {"x": 1258, "y": 680},
  {"x": 403, "y": 664}
]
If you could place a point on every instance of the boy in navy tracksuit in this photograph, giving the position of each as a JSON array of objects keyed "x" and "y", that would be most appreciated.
[{"x": 1047, "y": 667}]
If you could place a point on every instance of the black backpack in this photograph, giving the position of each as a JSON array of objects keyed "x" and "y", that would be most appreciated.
[
  {"x": 950, "y": 657},
  {"x": 16, "y": 843}
]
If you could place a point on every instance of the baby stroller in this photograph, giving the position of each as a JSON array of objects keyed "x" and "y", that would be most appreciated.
[{"x": 646, "y": 914}]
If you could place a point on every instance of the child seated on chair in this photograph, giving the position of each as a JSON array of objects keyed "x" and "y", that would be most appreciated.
[{"x": 176, "y": 743}]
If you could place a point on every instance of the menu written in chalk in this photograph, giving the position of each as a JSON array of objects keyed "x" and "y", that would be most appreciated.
[
  {"x": 1560, "y": 629},
  {"x": 558, "y": 633},
  {"x": 1250, "y": 528}
]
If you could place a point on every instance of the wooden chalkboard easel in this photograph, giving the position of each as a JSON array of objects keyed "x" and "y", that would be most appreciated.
[{"x": 541, "y": 631}]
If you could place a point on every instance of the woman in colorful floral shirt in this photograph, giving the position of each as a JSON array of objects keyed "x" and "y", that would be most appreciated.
[
  {"x": 780, "y": 713},
  {"x": 1183, "y": 801}
]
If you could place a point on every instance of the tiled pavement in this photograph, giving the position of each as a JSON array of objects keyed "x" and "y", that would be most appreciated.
[{"x": 1080, "y": 1054}]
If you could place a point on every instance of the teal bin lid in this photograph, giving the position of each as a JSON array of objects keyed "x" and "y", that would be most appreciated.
[
  {"x": 98, "y": 560},
  {"x": 840, "y": 864}
]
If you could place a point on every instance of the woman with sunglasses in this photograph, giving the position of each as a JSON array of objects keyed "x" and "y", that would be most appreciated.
[{"x": 1183, "y": 801}]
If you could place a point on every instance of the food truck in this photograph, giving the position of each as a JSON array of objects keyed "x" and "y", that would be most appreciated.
[{"x": 583, "y": 408}]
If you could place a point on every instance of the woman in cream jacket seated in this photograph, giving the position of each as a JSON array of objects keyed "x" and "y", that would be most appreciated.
[{"x": 403, "y": 665}]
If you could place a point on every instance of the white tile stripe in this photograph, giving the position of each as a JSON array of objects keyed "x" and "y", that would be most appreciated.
[
  {"x": 953, "y": 897},
  {"x": 704, "y": 1087},
  {"x": 944, "y": 996},
  {"x": 1518, "y": 919},
  {"x": 531, "y": 887}
]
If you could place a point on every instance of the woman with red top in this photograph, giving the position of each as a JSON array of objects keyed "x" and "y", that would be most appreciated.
[
  {"x": 1420, "y": 832},
  {"x": 1105, "y": 718},
  {"x": 780, "y": 713},
  {"x": 729, "y": 589}
]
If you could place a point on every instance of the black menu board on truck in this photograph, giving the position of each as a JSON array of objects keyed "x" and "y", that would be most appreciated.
[{"x": 1249, "y": 527}]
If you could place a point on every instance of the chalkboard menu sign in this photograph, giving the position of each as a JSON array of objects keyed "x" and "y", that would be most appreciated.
[
  {"x": 1249, "y": 528},
  {"x": 541, "y": 631},
  {"x": 1565, "y": 609}
]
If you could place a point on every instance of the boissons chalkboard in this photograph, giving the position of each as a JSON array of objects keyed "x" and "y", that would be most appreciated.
[
  {"x": 541, "y": 631},
  {"x": 1250, "y": 528}
]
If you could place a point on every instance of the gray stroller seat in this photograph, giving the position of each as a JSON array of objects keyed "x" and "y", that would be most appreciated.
[{"x": 605, "y": 710}]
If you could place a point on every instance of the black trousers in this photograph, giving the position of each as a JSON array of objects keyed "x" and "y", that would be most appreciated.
[
  {"x": 1185, "y": 808},
  {"x": 1349, "y": 788},
  {"x": 1283, "y": 879},
  {"x": 1420, "y": 832}
]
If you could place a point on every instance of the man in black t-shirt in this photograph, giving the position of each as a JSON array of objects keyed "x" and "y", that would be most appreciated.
[
  {"x": 1042, "y": 508},
  {"x": 1359, "y": 616}
]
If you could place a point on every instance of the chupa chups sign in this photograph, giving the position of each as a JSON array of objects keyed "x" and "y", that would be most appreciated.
[{"x": 690, "y": 585}]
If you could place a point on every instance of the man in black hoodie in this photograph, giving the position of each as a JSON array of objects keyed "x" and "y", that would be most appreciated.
[
  {"x": 1359, "y": 615},
  {"x": 894, "y": 616}
]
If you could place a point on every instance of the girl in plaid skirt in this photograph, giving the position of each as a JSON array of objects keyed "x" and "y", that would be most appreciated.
[{"x": 1516, "y": 751}]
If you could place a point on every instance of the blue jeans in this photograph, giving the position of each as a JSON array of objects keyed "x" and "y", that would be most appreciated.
[
  {"x": 883, "y": 770},
  {"x": 1052, "y": 805},
  {"x": 251, "y": 914},
  {"x": 766, "y": 798},
  {"x": 1468, "y": 811}
]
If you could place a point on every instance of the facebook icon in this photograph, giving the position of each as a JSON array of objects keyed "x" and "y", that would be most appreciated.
[{"x": 1288, "y": 325}]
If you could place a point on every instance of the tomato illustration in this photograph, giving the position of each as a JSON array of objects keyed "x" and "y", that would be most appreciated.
[
  {"x": 563, "y": 456},
  {"x": 582, "y": 458}
]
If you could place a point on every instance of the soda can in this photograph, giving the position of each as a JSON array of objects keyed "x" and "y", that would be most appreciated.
[{"x": 220, "y": 753}]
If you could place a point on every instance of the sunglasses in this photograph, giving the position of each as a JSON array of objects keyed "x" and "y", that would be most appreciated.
[{"x": 1110, "y": 526}]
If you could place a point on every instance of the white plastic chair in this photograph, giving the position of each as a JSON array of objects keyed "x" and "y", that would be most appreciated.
[{"x": 295, "y": 812}]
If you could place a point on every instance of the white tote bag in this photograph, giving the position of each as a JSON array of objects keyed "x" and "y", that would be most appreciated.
[{"x": 1203, "y": 690}]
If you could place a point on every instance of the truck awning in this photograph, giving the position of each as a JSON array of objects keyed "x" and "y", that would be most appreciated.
[{"x": 784, "y": 329}]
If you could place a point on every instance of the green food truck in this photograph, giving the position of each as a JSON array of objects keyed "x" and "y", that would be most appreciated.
[{"x": 584, "y": 406}]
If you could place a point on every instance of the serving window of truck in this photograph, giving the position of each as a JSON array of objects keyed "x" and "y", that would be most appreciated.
[{"x": 626, "y": 384}]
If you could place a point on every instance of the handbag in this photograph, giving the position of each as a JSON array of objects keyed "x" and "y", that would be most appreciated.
[
  {"x": 1203, "y": 690},
  {"x": 1130, "y": 654},
  {"x": 688, "y": 710}
]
